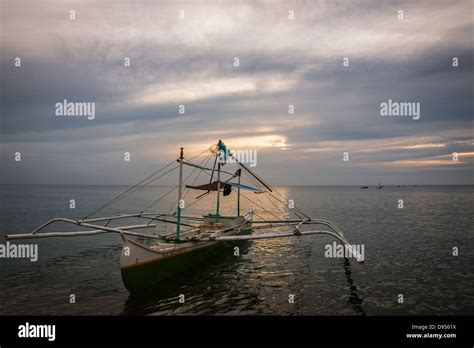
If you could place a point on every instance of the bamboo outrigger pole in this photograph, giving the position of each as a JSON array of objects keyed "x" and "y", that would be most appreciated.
[{"x": 180, "y": 189}]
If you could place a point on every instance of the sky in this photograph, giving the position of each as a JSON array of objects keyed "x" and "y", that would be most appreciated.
[{"x": 289, "y": 53}]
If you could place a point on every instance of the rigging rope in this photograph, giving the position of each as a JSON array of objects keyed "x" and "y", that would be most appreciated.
[
  {"x": 139, "y": 185},
  {"x": 255, "y": 183},
  {"x": 166, "y": 194},
  {"x": 128, "y": 191},
  {"x": 260, "y": 206}
]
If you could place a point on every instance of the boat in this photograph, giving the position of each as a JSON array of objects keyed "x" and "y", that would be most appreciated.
[
  {"x": 364, "y": 187},
  {"x": 380, "y": 186},
  {"x": 157, "y": 254}
]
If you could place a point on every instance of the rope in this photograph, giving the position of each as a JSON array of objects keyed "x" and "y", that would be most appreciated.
[
  {"x": 129, "y": 190},
  {"x": 261, "y": 207},
  {"x": 135, "y": 187},
  {"x": 166, "y": 194}
]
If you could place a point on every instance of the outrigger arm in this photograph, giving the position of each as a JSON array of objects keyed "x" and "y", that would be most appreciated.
[
  {"x": 98, "y": 229},
  {"x": 336, "y": 233},
  {"x": 204, "y": 237},
  {"x": 354, "y": 252}
]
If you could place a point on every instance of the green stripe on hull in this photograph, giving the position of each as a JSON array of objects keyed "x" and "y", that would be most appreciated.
[{"x": 146, "y": 276}]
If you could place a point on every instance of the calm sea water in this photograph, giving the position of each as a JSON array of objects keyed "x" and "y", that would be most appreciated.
[{"x": 408, "y": 251}]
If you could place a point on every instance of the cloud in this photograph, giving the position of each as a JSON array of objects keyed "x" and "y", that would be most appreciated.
[{"x": 282, "y": 62}]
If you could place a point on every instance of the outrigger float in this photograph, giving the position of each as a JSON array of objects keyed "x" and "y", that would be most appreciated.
[{"x": 194, "y": 238}]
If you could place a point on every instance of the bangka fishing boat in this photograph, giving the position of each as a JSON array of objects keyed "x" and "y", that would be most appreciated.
[{"x": 194, "y": 238}]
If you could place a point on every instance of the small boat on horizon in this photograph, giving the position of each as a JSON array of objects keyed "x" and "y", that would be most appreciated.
[
  {"x": 364, "y": 187},
  {"x": 380, "y": 186}
]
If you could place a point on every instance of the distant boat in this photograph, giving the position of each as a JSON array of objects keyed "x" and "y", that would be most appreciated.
[
  {"x": 364, "y": 187},
  {"x": 380, "y": 186}
]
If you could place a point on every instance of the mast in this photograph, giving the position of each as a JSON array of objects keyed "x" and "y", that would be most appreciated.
[
  {"x": 238, "y": 199},
  {"x": 180, "y": 192},
  {"x": 218, "y": 180},
  {"x": 218, "y": 189}
]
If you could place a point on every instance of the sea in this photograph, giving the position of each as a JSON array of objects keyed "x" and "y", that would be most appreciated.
[{"x": 418, "y": 244}]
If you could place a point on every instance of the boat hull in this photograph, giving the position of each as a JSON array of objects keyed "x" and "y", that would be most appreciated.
[
  {"x": 148, "y": 268},
  {"x": 143, "y": 267}
]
